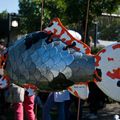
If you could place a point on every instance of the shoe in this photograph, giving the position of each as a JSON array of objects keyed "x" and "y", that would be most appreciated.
[{"x": 92, "y": 116}]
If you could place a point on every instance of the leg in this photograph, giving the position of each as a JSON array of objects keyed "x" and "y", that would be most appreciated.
[
  {"x": 29, "y": 107},
  {"x": 61, "y": 110},
  {"x": 2, "y": 102},
  {"x": 47, "y": 107},
  {"x": 18, "y": 108},
  {"x": 68, "y": 113}
]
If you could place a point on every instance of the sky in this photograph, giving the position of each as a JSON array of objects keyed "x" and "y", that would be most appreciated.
[{"x": 10, "y": 5}]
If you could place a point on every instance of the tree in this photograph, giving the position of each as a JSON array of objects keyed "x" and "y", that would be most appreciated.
[
  {"x": 29, "y": 15},
  {"x": 109, "y": 28},
  {"x": 4, "y": 15},
  {"x": 71, "y": 12},
  {"x": 3, "y": 24},
  {"x": 30, "y": 12}
]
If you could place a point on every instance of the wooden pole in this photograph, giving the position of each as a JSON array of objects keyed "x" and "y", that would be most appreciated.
[
  {"x": 42, "y": 10},
  {"x": 86, "y": 23},
  {"x": 78, "y": 111}
]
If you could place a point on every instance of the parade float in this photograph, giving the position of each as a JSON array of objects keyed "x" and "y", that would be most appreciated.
[{"x": 53, "y": 60}]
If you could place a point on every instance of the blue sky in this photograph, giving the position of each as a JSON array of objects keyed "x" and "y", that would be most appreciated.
[{"x": 9, "y": 5}]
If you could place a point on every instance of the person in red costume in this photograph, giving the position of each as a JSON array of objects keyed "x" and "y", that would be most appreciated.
[
  {"x": 22, "y": 98},
  {"x": 26, "y": 98}
]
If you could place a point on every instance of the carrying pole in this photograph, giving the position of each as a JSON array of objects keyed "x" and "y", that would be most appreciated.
[
  {"x": 86, "y": 23},
  {"x": 42, "y": 10},
  {"x": 78, "y": 111}
]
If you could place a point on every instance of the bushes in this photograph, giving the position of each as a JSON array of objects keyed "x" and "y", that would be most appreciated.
[
  {"x": 95, "y": 50},
  {"x": 109, "y": 29}
]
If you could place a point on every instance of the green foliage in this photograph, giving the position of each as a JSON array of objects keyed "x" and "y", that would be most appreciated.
[
  {"x": 54, "y": 9},
  {"x": 4, "y": 15},
  {"x": 30, "y": 15},
  {"x": 3, "y": 24},
  {"x": 117, "y": 11},
  {"x": 30, "y": 12},
  {"x": 109, "y": 29},
  {"x": 71, "y": 12},
  {"x": 95, "y": 50}
]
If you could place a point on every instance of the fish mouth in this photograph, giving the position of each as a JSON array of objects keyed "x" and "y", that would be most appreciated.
[
  {"x": 118, "y": 83},
  {"x": 98, "y": 75},
  {"x": 60, "y": 83}
]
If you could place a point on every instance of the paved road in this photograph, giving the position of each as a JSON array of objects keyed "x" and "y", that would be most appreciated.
[{"x": 106, "y": 113}]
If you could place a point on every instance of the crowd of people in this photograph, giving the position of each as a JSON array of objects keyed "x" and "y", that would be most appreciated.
[{"x": 55, "y": 105}]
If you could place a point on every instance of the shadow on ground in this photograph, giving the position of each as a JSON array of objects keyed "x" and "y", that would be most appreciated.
[{"x": 106, "y": 113}]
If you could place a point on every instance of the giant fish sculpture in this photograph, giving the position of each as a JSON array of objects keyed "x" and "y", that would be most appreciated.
[{"x": 54, "y": 60}]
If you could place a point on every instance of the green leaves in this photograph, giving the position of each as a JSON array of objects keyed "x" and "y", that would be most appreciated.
[{"x": 71, "y": 12}]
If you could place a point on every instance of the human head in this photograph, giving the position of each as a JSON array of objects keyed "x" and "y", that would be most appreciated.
[{"x": 75, "y": 34}]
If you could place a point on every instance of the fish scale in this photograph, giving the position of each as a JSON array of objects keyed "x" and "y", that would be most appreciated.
[
  {"x": 50, "y": 60},
  {"x": 54, "y": 59}
]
